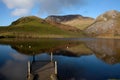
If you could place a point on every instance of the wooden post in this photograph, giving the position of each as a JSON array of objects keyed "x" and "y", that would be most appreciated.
[
  {"x": 28, "y": 70},
  {"x": 55, "y": 67},
  {"x": 33, "y": 58},
  {"x": 67, "y": 47},
  {"x": 51, "y": 56}
]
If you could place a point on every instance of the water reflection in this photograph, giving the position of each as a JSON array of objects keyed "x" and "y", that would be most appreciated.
[
  {"x": 77, "y": 59},
  {"x": 13, "y": 65},
  {"x": 86, "y": 68},
  {"x": 59, "y": 47},
  {"x": 107, "y": 50}
]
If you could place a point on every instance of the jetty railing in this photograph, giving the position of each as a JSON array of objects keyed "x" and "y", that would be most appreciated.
[{"x": 42, "y": 70}]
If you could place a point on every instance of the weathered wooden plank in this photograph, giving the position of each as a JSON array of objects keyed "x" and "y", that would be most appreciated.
[{"x": 43, "y": 70}]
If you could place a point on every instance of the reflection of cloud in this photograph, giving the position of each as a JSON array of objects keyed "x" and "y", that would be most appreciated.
[
  {"x": 19, "y": 57},
  {"x": 15, "y": 69}
]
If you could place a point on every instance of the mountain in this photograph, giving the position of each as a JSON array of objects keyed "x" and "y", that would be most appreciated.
[
  {"x": 76, "y": 21},
  {"x": 27, "y": 19},
  {"x": 105, "y": 25},
  {"x": 59, "y": 19},
  {"x": 35, "y": 27}
]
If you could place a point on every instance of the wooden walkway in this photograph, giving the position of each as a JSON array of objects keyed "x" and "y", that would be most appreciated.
[{"x": 42, "y": 70}]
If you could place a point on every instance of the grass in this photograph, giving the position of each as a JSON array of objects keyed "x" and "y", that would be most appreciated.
[
  {"x": 36, "y": 29},
  {"x": 80, "y": 24}
]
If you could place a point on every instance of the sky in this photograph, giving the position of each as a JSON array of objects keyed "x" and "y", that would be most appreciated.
[{"x": 11, "y": 10}]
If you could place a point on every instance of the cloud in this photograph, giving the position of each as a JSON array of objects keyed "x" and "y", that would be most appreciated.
[
  {"x": 58, "y": 6},
  {"x": 49, "y": 7},
  {"x": 19, "y": 7},
  {"x": 19, "y": 12}
]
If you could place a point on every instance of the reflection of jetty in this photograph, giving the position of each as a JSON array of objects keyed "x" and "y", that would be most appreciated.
[{"x": 42, "y": 70}]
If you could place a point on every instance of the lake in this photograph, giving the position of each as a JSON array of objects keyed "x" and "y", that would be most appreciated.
[{"x": 78, "y": 59}]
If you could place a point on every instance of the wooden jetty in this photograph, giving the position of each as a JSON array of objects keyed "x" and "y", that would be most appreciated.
[{"x": 42, "y": 70}]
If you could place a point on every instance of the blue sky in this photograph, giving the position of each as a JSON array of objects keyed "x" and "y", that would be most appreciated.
[{"x": 14, "y": 9}]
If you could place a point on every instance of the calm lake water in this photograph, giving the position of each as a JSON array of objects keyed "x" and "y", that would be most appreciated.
[{"x": 78, "y": 59}]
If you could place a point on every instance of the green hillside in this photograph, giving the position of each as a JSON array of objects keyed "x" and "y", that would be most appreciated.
[{"x": 34, "y": 27}]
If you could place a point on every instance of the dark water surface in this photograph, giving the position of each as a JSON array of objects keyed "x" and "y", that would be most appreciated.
[{"x": 78, "y": 59}]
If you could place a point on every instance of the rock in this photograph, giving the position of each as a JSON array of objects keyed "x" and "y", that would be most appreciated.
[{"x": 106, "y": 24}]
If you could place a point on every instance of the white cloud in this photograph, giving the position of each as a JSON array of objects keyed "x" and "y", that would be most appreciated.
[
  {"x": 49, "y": 7},
  {"x": 19, "y": 7},
  {"x": 20, "y": 11},
  {"x": 18, "y": 3},
  {"x": 58, "y": 6}
]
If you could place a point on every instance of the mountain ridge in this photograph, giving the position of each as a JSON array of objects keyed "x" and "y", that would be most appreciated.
[
  {"x": 64, "y": 18},
  {"x": 105, "y": 25},
  {"x": 78, "y": 21}
]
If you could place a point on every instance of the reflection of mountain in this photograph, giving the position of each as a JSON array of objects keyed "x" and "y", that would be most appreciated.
[
  {"x": 106, "y": 49},
  {"x": 37, "y": 46}
]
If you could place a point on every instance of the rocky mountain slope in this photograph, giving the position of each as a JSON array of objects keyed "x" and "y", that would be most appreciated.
[
  {"x": 105, "y": 25},
  {"x": 77, "y": 21}
]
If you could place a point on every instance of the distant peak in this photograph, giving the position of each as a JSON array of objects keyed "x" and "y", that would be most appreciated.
[
  {"x": 112, "y": 11},
  {"x": 64, "y": 18},
  {"x": 112, "y": 14},
  {"x": 64, "y": 15}
]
